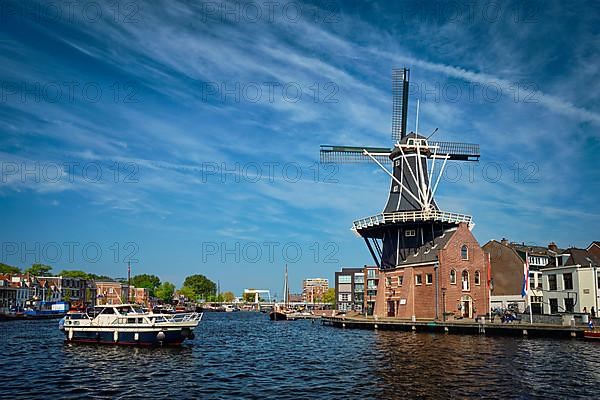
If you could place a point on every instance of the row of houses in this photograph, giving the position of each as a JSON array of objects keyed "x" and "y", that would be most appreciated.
[
  {"x": 560, "y": 280},
  {"x": 18, "y": 291},
  {"x": 464, "y": 280}
]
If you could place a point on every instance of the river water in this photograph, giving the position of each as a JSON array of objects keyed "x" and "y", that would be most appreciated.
[{"x": 244, "y": 355}]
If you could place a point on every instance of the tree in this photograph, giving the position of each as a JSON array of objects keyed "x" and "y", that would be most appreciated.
[
  {"x": 201, "y": 285},
  {"x": 150, "y": 282},
  {"x": 249, "y": 297},
  {"x": 39, "y": 270},
  {"x": 165, "y": 291},
  {"x": 228, "y": 297},
  {"x": 329, "y": 296},
  {"x": 188, "y": 292},
  {"x": 9, "y": 269},
  {"x": 74, "y": 274}
]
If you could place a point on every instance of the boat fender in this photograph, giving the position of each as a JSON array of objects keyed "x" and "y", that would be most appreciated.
[
  {"x": 136, "y": 336},
  {"x": 116, "y": 336},
  {"x": 160, "y": 336},
  {"x": 70, "y": 334},
  {"x": 61, "y": 324}
]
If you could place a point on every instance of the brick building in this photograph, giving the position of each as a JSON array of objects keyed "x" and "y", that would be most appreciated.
[
  {"x": 447, "y": 276},
  {"x": 313, "y": 289},
  {"x": 111, "y": 292}
]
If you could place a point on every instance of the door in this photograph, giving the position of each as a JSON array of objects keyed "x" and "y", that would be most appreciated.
[
  {"x": 391, "y": 309},
  {"x": 467, "y": 309}
]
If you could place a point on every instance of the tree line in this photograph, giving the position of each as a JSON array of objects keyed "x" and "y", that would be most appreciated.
[{"x": 195, "y": 287}]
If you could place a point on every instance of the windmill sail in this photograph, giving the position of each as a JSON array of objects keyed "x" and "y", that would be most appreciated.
[
  {"x": 400, "y": 79},
  {"x": 457, "y": 150},
  {"x": 352, "y": 154}
]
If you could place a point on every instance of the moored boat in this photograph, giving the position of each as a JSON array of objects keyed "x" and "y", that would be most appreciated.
[{"x": 128, "y": 324}]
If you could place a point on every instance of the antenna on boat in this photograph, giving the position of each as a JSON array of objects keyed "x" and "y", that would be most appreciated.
[{"x": 128, "y": 280}]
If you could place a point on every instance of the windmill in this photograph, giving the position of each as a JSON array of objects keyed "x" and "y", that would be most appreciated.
[{"x": 411, "y": 221}]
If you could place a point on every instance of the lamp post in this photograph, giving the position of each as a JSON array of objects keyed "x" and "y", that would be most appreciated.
[{"x": 444, "y": 304}]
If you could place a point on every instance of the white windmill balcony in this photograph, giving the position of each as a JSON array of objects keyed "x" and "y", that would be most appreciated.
[{"x": 411, "y": 216}]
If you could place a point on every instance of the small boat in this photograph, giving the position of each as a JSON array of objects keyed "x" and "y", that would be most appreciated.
[
  {"x": 282, "y": 312},
  {"x": 128, "y": 324},
  {"x": 278, "y": 314}
]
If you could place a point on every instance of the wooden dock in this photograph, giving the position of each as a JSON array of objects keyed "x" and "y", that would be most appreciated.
[{"x": 458, "y": 327}]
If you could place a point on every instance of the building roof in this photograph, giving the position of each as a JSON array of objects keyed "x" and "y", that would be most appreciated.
[
  {"x": 581, "y": 257},
  {"x": 533, "y": 250},
  {"x": 428, "y": 253}
]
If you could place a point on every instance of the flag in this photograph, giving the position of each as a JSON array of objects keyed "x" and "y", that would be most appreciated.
[{"x": 525, "y": 276}]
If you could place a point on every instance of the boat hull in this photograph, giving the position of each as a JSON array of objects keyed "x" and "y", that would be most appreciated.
[
  {"x": 591, "y": 335},
  {"x": 155, "y": 337},
  {"x": 277, "y": 316}
]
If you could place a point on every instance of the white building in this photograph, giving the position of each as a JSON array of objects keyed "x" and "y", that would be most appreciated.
[{"x": 571, "y": 285}]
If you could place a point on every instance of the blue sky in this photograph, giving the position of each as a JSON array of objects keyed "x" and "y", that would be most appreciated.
[{"x": 213, "y": 112}]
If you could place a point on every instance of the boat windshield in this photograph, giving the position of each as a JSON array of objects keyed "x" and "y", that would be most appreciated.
[{"x": 137, "y": 310}]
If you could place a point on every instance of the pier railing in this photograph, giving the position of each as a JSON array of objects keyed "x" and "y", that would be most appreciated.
[{"x": 411, "y": 216}]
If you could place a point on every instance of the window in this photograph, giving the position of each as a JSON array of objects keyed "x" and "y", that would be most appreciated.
[
  {"x": 428, "y": 279},
  {"x": 553, "y": 306},
  {"x": 418, "y": 279},
  {"x": 568, "y": 281},
  {"x": 110, "y": 290},
  {"x": 410, "y": 233},
  {"x": 400, "y": 280},
  {"x": 531, "y": 280},
  {"x": 371, "y": 273},
  {"x": 464, "y": 252},
  {"x": 552, "y": 282},
  {"x": 465, "y": 280},
  {"x": 569, "y": 305},
  {"x": 344, "y": 278},
  {"x": 345, "y": 297},
  {"x": 477, "y": 278},
  {"x": 388, "y": 281},
  {"x": 359, "y": 278},
  {"x": 453, "y": 277}
]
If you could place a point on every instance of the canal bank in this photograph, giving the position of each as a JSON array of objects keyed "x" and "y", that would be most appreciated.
[{"x": 458, "y": 327}]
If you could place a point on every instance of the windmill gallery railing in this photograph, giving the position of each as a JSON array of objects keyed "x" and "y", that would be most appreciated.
[{"x": 408, "y": 216}]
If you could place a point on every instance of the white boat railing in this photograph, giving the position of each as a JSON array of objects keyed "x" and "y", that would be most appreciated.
[
  {"x": 177, "y": 318},
  {"x": 411, "y": 216}
]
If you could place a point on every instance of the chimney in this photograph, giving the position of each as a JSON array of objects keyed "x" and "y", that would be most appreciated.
[
  {"x": 504, "y": 241},
  {"x": 552, "y": 246}
]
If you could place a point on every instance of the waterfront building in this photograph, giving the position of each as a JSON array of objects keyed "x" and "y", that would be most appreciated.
[
  {"x": 356, "y": 289},
  {"x": 507, "y": 260},
  {"x": 372, "y": 282},
  {"x": 109, "y": 292},
  {"x": 443, "y": 279},
  {"x": 313, "y": 289},
  {"x": 571, "y": 283},
  {"x": 349, "y": 289},
  {"x": 79, "y": 291},
  {"x": 8, "y": 294}
]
